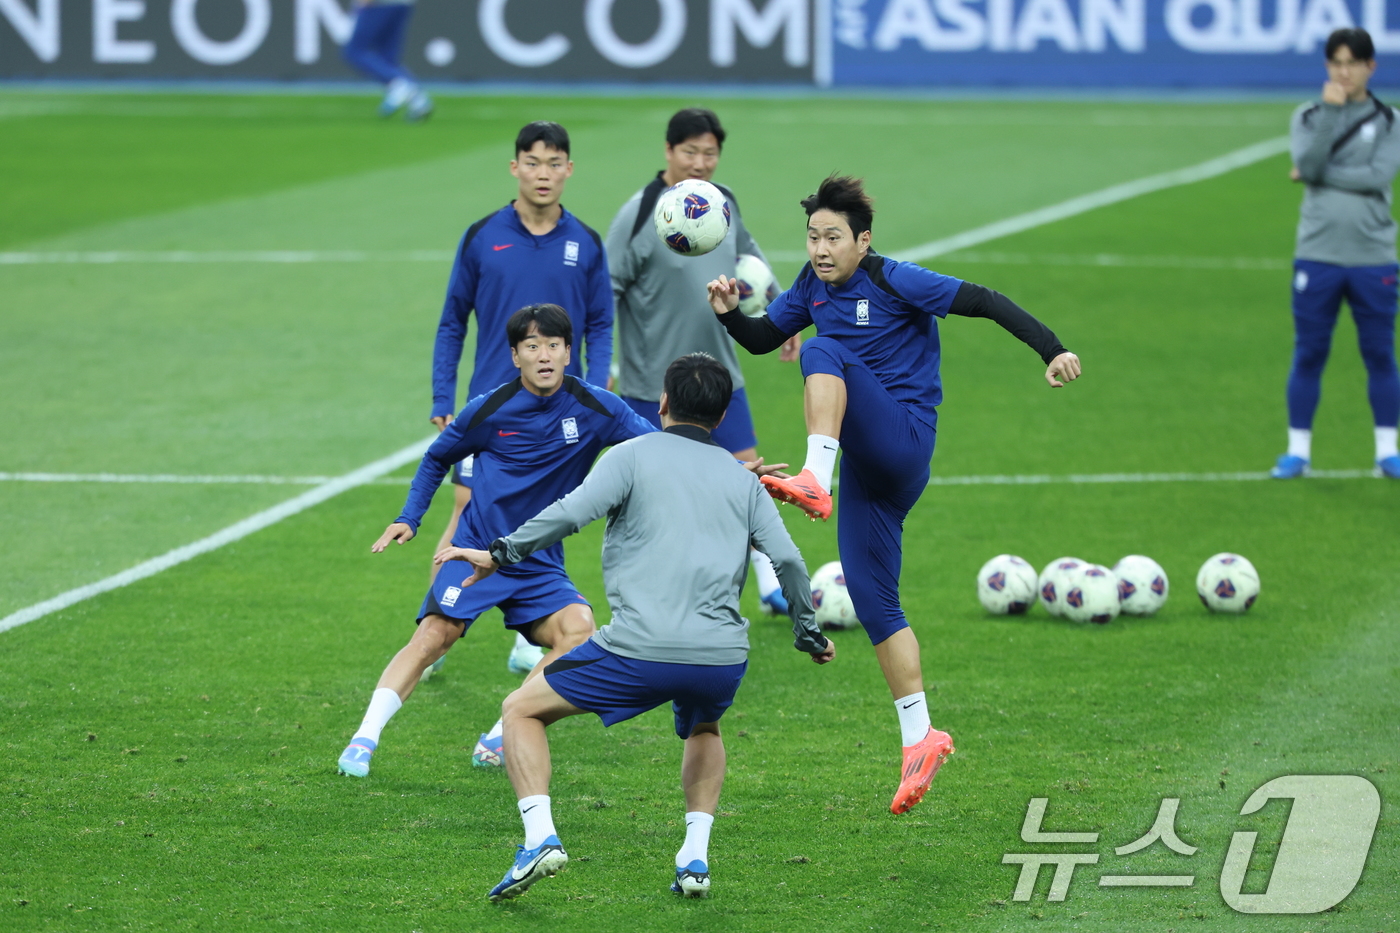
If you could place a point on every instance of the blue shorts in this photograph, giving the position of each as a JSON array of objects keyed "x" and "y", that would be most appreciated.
[
  {"x": 735, "y": 432},
  {"x": 885, "y": 454},
  {"x": 617, "y": 688},
  {"x": 462, "y": 472},
  {"x": 524, "y": 598}
]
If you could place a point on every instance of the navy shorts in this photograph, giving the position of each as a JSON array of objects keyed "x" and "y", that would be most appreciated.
[
  {"x": 617, "y": 688},
  {"x": 524, "y": 598},
  {"x": 735, "y": 432},
  {"x": 462, "y": 472}
]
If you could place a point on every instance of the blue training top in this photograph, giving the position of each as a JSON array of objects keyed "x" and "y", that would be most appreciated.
[
  {"x": 500, "y": 268},
  {"x": 530, "y": 450},
  {"x": 884, "y": 313}
]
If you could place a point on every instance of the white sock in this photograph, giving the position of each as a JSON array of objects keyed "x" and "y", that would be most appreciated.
[
  {"x": 496, "y": 730},
  {"x": 1300, "y": 442},
  {"x": 913, "y": 717},
  {"x": 382, "y": 707},
  {"x": 697, "y": 839},
  {"x": 539, "y": 821},
  {"x": 1385, "y": 443},
  {"x": 764, "y": 574},
  {"x": 821, "y": 458}
]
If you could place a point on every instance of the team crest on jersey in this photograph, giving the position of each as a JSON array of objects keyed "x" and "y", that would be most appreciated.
[
  {"x": 1368, "y": 132},
  {"x": 570, "y": 430},
  {"x": 863, "y": 312},
  {"x": 449, "y": 598},
  {"x": 570, "y": 253}
]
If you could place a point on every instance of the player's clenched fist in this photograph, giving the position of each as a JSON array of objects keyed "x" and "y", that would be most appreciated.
[
  {"x": 724, "y": 294},
  {"x": 1063, "y": 368}
]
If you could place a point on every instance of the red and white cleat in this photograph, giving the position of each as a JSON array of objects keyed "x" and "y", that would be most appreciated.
[
  {"x": 801, "y": 490},
  {"x": 921, "y": 763}
]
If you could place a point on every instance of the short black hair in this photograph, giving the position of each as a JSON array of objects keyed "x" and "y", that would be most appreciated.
[
  {"x": 692, "y": 122},
  {"x": 550, "y": 320},
  {"x": 698, "y": 388},
  {"x": 1358, "y": 40},
  {"x": 552, "y": 135},
  {"x": 846, "y": 196}
]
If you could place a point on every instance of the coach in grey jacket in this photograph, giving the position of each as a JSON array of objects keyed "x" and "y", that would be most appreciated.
[
  {"x": 1346, "y": 150},
  {"x": 681, "y": 518}
]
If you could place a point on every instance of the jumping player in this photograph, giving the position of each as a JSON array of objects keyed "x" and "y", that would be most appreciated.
[
  {"x": 530, "y": 251},
  {"x": 674, "y": 566},
  {"x": 875, "y": 358},
  {"x": 1346, "y": 150},
  {"x": 535, "y": 438},
  {"x": 661, "y": 314}
]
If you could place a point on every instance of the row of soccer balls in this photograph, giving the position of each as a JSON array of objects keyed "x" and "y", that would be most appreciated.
[{"x": 1085, "y": 592}]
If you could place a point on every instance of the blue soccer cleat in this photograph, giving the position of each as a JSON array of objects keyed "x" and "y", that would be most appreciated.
[
  {"x": 1289, "y": 467},
  {"x": 1388, "y": 468},
  {"x": 693, "y": 880},
  {"x": 543, "y": 861},
  {"x": 489, "y": 752},
  {"x": 420, "y": 108},
  {"x": 354, "y": 761},
  {"x": 396, "y": 95},
  {"x": 774, "y": 604}
]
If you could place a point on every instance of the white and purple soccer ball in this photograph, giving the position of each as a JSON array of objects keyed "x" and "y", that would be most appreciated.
[
  {"x": 1050, "y": 586},
  {"x": 758, "y": 286},
  {"x": 830, "y": 598},
  {"x": 1006, "y": 585},
  {"x": 1091, "y": 595},
  {"x": 1142, "y": 585},
  {"x": 1228, "y": 583},
  {"x": 692, "y": 217}
]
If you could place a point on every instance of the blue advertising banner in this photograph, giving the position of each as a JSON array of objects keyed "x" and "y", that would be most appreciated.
[{"x": 1098, "y": 43}]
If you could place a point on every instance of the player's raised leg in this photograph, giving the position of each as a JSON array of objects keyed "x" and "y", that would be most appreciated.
[
  {"x": 702, "y": 778},
  {"x": 824, "y": 403},
  {"x": 434, "y": 635}
]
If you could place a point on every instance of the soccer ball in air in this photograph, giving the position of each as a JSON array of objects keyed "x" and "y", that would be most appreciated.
[
  {"x": 757, "y": 285},
  {"x": 1091, "y": 594},
  {"x": 692, "y": 217},
  {"x": 830, "y": 598},
  {"x": 1006, "y": 585},
  {"x": 1051, "y": 583},
  {"x": 1228, "y": 583},
  {"x": 1142, "y": 585}
]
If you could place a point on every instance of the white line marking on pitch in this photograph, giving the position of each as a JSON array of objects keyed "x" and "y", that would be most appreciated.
[
  {"x": 1035, "y": 480},
  {"x": 186, "y": 478},
  {"x": 1116, "y": 260},
  {"x": 228, "y": 535}
]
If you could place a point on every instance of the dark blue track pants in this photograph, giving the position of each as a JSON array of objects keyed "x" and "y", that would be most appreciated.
[{"x": 376, "y": 45}]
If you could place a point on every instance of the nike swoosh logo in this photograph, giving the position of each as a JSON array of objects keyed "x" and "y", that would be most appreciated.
[
  {"x": 910, "y": 705},
  {"x": 506, "y": 433},
  {"x": 499, "y": 248},
  {"x": 527, "y": 810},
  {"x": 818, "y": 303}
]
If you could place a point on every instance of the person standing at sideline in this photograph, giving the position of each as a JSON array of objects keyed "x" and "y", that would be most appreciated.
[
  {"x": 1346, "y": 151},
  {"x": 375, "y": 48}
]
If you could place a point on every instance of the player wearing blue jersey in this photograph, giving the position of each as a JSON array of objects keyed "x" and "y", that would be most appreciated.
[
  {"x": 876, "y": 357},
  {"x": 534, "y": 439},
  {"x": 375, "y": 47},
  {"x": 531, "y": 251}
]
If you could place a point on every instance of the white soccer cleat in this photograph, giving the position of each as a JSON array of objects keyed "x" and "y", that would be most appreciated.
[{"x": 523, "y": 657}]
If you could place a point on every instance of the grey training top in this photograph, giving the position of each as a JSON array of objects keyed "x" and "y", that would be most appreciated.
[
  {"x": 1348, "y": 156},
  {"x": 681, "y": 517},
  {"x": 663, "y": 311}
]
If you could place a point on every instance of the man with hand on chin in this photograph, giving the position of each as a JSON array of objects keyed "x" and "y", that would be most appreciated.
[{"x": 872, "y": 386}]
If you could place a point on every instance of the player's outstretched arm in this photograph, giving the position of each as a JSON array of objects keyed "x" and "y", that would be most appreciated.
[
  {"x": 400, "y": 532},
  {"x": 1063, "y": 368},
  {"x": 483, "y": 564}
]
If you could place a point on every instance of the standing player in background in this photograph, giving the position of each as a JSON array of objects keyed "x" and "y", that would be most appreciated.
[
  {"x": 1346, "y": 149},
  {"x": 674, "y": 566},
  {"x": 531, "y": 251},
  {"x": 535, "y": 437},
  {"x": 376, "y": 48},
  {"x": 872, "y": 385},
  {"x": 661, "y": 312}
]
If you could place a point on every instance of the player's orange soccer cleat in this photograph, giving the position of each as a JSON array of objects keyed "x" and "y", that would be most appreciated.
[
  {"x": 921, "y": 763},
  {"x": 801, "y": 490}
]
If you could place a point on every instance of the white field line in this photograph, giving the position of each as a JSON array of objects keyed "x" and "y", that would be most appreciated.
[
  {"x": 186, "y": 478},
  {"x": 228, "y": 535},
  {"x": 1115, "y": 260}
]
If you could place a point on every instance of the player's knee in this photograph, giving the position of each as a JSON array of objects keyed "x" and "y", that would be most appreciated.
[
  {"x": 566, "y": 629},
  {"x": 821, "y": 355},
  {"x": 1379, "y": 358},
  {"x": 435, "y": 635},
  {"x": 1310, "y": 359}
]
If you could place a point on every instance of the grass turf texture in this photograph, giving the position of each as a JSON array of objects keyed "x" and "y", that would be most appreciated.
[{"x": 186, "y": 812}]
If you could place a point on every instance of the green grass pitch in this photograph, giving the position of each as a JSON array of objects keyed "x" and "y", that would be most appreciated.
[{"x": 169, "y": 748}]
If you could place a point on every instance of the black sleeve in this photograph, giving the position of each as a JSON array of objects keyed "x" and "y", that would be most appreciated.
[
  {"x": 977, "y": 301},
  {"x": 758, "y": 335}
]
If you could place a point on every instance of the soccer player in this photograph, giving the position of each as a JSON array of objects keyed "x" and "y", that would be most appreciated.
[
  {"x": 535, "y": 438},
  {"x": 1346, "y": 150},
  {"x": 530, "y": 251},
  {"x": 376, "y": 48},
  {"x": 872, "y": 388},
  {"x": 661, "y": 312},
  {"x": 674, "y": 566}
]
